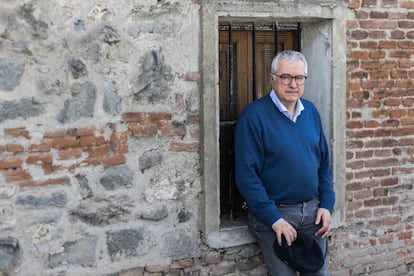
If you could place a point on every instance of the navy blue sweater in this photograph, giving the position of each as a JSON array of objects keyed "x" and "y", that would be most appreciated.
[{"x": 281, "y": 162}]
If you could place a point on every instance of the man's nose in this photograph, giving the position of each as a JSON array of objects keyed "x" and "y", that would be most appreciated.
[{"x": 293, "y": 82}]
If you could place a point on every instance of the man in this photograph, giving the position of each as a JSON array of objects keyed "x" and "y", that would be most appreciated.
[{"x": 282, "y": 164}]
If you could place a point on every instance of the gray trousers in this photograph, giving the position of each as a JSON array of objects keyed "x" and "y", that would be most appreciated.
[{"x": 302, "y": 216}]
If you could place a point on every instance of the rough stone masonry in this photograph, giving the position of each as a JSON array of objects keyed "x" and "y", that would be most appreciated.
[
  {"x": 100, "y": 135},
  {"x": 100, "y": 139}
]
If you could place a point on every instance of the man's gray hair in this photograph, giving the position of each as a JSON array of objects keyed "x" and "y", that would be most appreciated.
[{"x": 291, "y": 56}]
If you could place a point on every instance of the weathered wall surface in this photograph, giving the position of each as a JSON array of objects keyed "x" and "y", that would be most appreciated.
[
  {"x": 99, "y": 135},
  {"x": 377, "y": 238},
  {"x": 100, "y": 138}
]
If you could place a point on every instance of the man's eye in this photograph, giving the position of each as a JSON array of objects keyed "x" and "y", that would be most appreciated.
[{"x": 299, "y": 77}]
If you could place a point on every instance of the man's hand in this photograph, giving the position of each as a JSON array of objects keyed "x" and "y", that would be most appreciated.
[
  {"x": 323, "y": 215},
  {"x": 282, "y": 227}
]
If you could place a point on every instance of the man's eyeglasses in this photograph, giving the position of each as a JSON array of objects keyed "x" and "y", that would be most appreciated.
[{"x": 287, "y": 79}]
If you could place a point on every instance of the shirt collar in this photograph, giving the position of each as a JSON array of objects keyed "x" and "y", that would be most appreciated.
[{"x": 283, "y": 109}]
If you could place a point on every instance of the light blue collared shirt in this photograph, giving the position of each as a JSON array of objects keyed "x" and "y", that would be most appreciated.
[{"x": 283, "y": 109}]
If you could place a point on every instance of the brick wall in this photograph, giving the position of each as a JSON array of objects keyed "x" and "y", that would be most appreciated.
[
  {"x": 377, "y": 238},
  {"x": 84, "y": 147}
]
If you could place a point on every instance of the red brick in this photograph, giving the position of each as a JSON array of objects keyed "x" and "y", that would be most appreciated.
[
  {"x": 54, "y": 134},
  {"x": 370, "y": 64},
  {"x": 378, "y": 35},
  {"x": 352, "y": 144},
  {"x": 388, "y": 24},
  {"x": 408, "y": 121},
  {"x": 64, "y": 142},
  {"x": 15, "y": 148},
  {"x": 10, "y": 162},
  {"x": 373, "y": 143},
  {"x": 354, "y": 4},
  {"x": 90, "y": 162},
  {"x": 405, "y": 24},
  {"x": 353, "y": 86},
  {"x": 364, "y": 154},
  {"x": 385, "y": 239},
  {"x": 383, "y": 153},
  {"x": 390, "y": 3},
  {"x": 111, "y": 161},
  {"x": 363, "y": 194},
  {"x": 390, "y": 200},
  {"x": 17, "y": 175},
  {"x": 364, "y": 213},
  {"x": 17, "y": 132},
  {"x": 403, "y": 131},
  {"x": 359, "y": 34},
  {"x": 368, "y": 45},
  {"x": 172, "y": 130},
  {"x": 389, "y": 181},
  {"x": 85, "y": 141},
  {"x": 193, "y": 120},
  {"x": 406, "y": 45},
  {"x": 382, "y": 211},
  {"x": 39, "y": 158},
  {"x": 184, "y": 146},
  {"x": 97, "y": 152},
  {"x": 397, "y": 113},
  {"x": 361, "y": 133},
  {"x": 69, "y": 153},
  {"x": 397, "y": 34},
  {"x": 43, "y": 147},
  {"x": 86, "y": 131},
  {"x": 158, "y": 118},
  {"x": 378, "y": 14},
  {"x": 405, "y": 235},
  {"x": 142, "y": 130},
  {"x": 372, "y": 124},
  {"x": 377, "y": 54},
  {"x": 369, "y": 3},
  {"x": 387, "y": 44},
  {"x": 120, "y": 143},
  {"x": 390, "y": 220},
  {"x": 373, "y": 202},
  {"x": 47, "y": 168},
  {"x": 145, "y": 117},
  {"x": 356, "y": 165},
  {"x": 377, "y": 163}
]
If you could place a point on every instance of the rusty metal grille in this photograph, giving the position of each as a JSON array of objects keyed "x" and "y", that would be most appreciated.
[{"x": 246, "y": 51}]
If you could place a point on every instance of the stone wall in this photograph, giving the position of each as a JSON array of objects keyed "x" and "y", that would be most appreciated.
[{"x": 100, "y": 141}]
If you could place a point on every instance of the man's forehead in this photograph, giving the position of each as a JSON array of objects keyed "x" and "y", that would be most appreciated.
[{"x": 288, "y": 64}]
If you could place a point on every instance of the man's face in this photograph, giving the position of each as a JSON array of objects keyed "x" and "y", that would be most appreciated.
[{"x": 289, "y": 93}]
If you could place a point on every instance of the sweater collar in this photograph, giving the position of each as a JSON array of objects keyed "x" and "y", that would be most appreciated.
[{"x": 283, "y": 109}]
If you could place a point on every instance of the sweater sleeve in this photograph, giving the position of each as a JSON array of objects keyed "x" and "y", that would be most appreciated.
[
  {"x": 249, "y": 156},
  {"x": 326, "y": 193}
]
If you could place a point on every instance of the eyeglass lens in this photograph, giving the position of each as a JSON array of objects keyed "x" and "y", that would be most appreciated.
[{"x": 287, "y": 79}]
